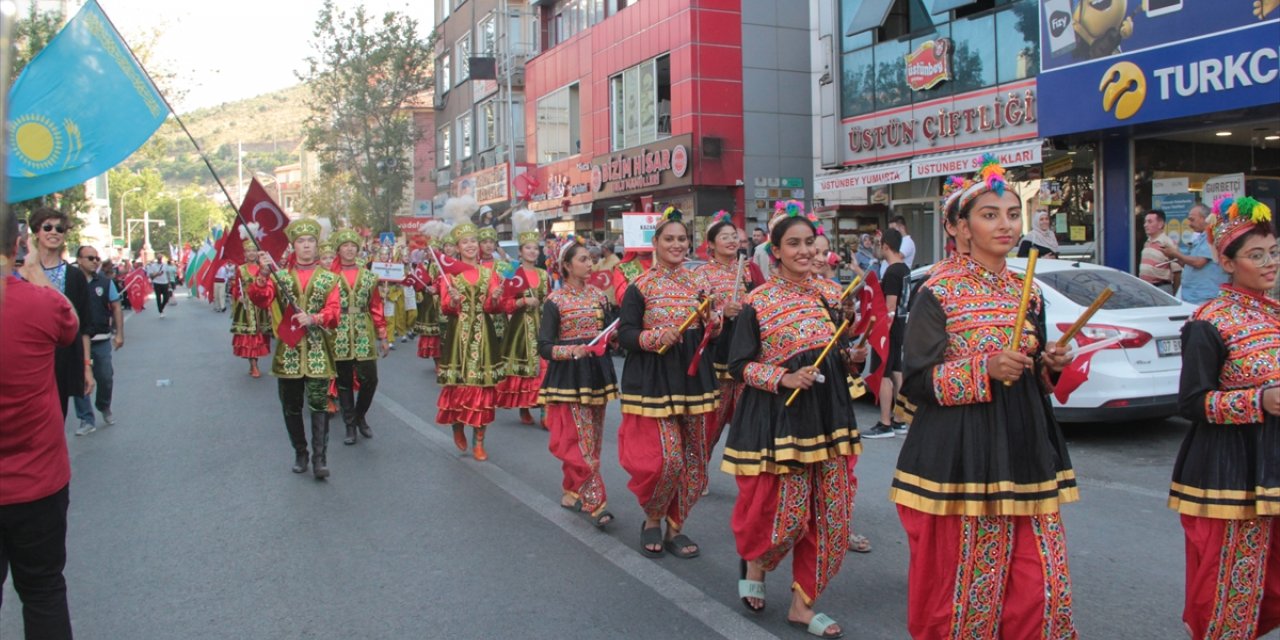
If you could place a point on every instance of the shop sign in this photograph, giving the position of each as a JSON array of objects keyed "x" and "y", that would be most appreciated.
[
  {"x": 929, "y": 64},
  {"x": 999, "y": 114},
  {"x": 559, "y": 183},
  {"x": 1231, "y": 184},
  {"x": 653, "y": 167},
  {"x": 1233, "y": 70},
  {"x": 869, "y": 177},
  {"x": 638, "y": 228},
  {"x": 411, "y": 224},
  {"x": 968, "y": 161},
  {"x": 486, "y": 185}
]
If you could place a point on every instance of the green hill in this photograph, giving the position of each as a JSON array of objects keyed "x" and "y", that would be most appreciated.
[{"x": 268, "y": 126}]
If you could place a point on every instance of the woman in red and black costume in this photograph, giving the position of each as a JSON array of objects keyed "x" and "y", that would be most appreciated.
[
  {"x": 793, "y": 462},
  {"x": 729, "y": 281},
  {"x": 984, "y": 470},
  {"x": 666, "y": 411},
  {"x": 1226, "y": 480},
  {"x": 578, "y": 383}
]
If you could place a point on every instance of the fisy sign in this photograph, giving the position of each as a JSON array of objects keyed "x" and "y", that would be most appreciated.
[{"x": 1222, "y": 72}]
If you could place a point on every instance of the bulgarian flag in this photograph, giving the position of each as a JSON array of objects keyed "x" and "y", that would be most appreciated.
[{"x": 197, "y": 259}]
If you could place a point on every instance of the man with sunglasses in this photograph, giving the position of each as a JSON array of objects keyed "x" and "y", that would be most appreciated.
[
  {"x": 105, "y": 317},
  {"x": 73, "y": 368}
]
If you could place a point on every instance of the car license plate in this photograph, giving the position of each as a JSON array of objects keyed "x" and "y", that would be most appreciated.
[{"x": 1169, "y": 347}]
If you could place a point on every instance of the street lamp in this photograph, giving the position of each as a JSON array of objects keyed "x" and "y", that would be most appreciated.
[
  {"x": 179, "y": 198},
  {"x": 122, "y": 230}
]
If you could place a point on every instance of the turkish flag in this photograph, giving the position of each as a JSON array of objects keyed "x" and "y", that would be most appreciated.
[
  {"x": 259, "y": 208},
  {"x": 602, "y": 280},
  {"x": 418, "y": 278},
  {"x": 451, "y": 266},
  {"x": 874, "y": 319},
  {"x": 1073, "y": 376},
  {"x": 516, "y": 285},
  {"x": 137, "y": 286},
  {"x": 288, "y": 331}
]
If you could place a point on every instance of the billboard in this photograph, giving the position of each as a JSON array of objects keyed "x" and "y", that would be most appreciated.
[{"x": 1112, "y": 63}]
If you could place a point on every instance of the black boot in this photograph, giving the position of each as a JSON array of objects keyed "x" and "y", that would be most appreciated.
[
  {"x": 346, "y": 400},
  {"x": 365, "y": 429},
  {"x": 298, "y": 438},
  {"x": 319, "y": 444}
]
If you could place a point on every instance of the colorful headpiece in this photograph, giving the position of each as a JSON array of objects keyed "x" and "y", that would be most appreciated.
[
  {"x": 1234, "y": 217},
  {"x": 958, "y": 192},
  {"x": 524, "y": 224},
  {"x": 343, "y": 236},
  {"x": 302, "y": 227},
  {"x": 792, "y": 209},
  {"x": 247, "y": 233},
  {"x": 325, "y": 247},
  {"x": 566, "y": 243},
  {"x": 669, "y": 215},
  {"x": 487, "y": 233}
]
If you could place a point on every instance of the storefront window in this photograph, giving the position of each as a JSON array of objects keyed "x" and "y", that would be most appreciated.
[
  {"x": 859, "y": 83},
  {"x": 974, "y": 60},
  {"x": 1017, "y": 42},
  {"x": 1065, "y": 188},
  {"x": 891, "y": 80}
]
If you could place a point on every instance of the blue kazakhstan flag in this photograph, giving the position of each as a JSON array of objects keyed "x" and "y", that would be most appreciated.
[{"x": 78, "y": 109}]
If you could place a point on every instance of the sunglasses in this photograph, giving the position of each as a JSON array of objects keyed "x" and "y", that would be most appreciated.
[
  {"x": 92, "y": 258},
  {"x": 52, "y": 227}
]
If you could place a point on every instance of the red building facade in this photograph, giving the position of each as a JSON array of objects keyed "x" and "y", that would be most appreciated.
[{"x": 634, "y": 100}]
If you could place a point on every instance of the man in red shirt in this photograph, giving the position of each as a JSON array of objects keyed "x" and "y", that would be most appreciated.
[{"x": 36, "y": 471}]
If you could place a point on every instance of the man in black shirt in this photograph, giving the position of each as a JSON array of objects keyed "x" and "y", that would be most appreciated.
[
  {"x": 105, "y": 317},
  {"x": 893, "y": 286}
]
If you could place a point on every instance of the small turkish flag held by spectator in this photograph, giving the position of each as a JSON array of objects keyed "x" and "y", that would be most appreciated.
[
  {"x": 137, "y": 286},
  {"x": 874, "y": 317}
]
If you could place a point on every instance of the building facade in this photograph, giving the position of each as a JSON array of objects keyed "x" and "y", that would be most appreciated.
[
  {"x": 1181, "y": 100},
  {"x": 909, "y": 92},
  {"x": 472, "y": 137}
]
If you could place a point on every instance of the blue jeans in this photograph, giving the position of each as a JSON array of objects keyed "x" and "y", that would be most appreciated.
[{"x": 100, "y": 352}]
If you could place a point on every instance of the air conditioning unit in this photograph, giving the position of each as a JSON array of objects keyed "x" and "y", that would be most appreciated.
[{"x": 443, "y": 177}]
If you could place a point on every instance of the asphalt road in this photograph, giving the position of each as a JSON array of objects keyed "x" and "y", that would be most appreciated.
[{"x": 185, "y": 522}]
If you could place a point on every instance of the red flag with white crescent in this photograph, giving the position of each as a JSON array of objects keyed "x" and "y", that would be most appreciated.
[
  {"x": 137, "y": 286},
  {"x": 1072, "y": 377},
  {"x": 269, "y": 219},
  {"x": 871, "y": 306}
]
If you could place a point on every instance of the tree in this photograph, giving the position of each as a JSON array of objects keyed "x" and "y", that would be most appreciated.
[
  {"x": 333, "y": 197},
  {"x": 361, "y": 75}
]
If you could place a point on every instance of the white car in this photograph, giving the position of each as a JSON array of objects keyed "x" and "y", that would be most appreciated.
[{"x": 1133, "y": 380}]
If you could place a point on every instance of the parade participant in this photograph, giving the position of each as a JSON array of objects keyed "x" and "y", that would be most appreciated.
[
  {"x": 250, "y": 325},
  {"x": 634, "y": 264},
  {"x": 791, "y": 462},
  {"x": 392, "y": 295},
  {"x": 726, "y": 278},
  {"x": 428, "y": 326},
  {"x": 665, "y": 411},
  {"x": 578, "y": 383},
  {"x": 521, "y": 364},
  {"x": 408, "y": 299},
  {"x": 488, "y": 237},
  {"x": 1224, "y": 485},
  {"x": 361, "y": 336},
  {"x": 303, "y": 372},
  {"x": 469, "y": 366},
  {"x": 984, "y": 469}
]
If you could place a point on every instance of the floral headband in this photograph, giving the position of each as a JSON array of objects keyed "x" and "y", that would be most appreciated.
[
  {"x": 792, "y": 209},
  {"x": 958, "y": 192},
  {"x": 1234, "y": 217},
  {"x": 566, "y": 243}
]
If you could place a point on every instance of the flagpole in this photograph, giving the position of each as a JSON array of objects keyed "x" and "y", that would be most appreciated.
[{"x": 272, "y": 273}]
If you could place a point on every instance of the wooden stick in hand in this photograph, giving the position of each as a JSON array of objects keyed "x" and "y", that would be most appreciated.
[{"x": 1028, "y": 280}]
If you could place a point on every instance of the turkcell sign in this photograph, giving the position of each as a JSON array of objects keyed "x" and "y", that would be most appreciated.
[{"x": 1222, "y": 72}]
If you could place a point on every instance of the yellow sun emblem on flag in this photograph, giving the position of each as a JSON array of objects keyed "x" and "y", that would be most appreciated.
[{"x": 37, "y": 139}]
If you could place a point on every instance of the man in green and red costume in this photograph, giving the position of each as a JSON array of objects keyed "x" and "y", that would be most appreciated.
[{"x": 361, "y": 336}]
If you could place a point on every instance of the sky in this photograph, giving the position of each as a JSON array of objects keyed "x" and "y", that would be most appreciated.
[{"x": 231, "y": 49}]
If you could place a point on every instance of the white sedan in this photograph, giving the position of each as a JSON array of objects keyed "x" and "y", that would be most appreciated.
[{"x": 1135, "y": 379}]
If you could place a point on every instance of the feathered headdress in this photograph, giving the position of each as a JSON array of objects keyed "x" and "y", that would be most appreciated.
[
  {"x": 566, "y": 243},
  {"x": 1234, "y": 217},
  {"x": 792, "y": 209},
  {"x": 247, "y": 233},
  {"x": 459, "y": 210},
  {"x": 958, "y": 191},
  {"x": 524, "y": 226}
]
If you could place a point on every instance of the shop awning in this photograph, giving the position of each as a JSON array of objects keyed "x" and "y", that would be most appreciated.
[
  {"x": 1015, "y": 154},
  {"x": 870, "y": 15}
]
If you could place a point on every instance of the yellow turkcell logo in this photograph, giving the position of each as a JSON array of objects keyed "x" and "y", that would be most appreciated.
[{"x": 1124, "y": 88}]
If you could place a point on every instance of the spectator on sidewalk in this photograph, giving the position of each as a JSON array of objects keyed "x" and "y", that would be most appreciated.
[
  {"x": 224, "y": 274},
  {"x": 105, "y": 318},
  {"x": 893, "y": 286},
  {"x": 158, "y": 271},
  {"x": 1155, "y": 267},
  {"x": 35, "y": 322},
  {"x": 760, "y": 255},
  {"x": 71, "y": 363},
  {"x": 1201, "y": 275}
]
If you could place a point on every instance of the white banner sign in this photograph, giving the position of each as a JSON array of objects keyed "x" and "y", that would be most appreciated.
[
  {"x": 1168, "y": 186},
  {"x": 637, "y": 230},
  {"x": 968, "y": 161},
  {"x": 871, "y": 177},
  {"x": 1231, "y": 184},
  {"x": 389, "y": 271}
]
